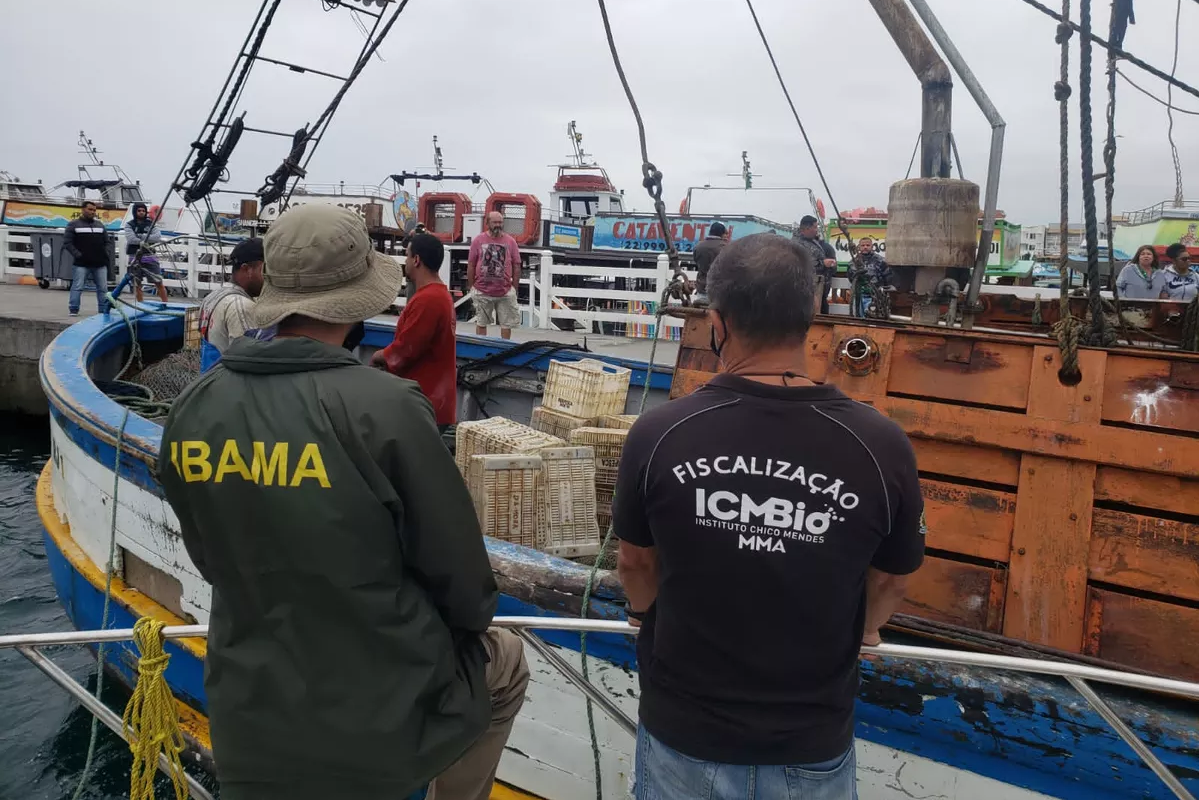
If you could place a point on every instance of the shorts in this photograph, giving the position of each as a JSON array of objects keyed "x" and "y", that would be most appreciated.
[{"x": 496, "y": 310}]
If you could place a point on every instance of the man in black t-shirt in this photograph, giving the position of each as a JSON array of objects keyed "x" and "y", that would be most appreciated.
[
  {"x": 705, "y": 254},
  {"x": 823, "y": 254},
  {"x": 766, "y": 523}
]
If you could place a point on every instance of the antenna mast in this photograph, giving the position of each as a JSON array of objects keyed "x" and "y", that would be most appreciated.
[{"x": 580, "y": 156}]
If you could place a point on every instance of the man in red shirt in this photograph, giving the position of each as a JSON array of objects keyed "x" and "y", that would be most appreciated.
[
  {"x": 424, "y": 346},
  {"x": 492, "y": 275}
]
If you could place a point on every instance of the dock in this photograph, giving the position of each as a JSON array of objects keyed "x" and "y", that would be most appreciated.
[{"x": 30, "y": 318}]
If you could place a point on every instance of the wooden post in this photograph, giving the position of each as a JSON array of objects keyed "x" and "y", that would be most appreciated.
[{"x": 1047, "y": 585}]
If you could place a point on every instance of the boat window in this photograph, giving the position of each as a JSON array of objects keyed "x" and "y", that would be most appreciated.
[
  {"x": 31, "y": 191},
  {"x": 131, "y": 194},
  {"x": 580, "y": 206}
]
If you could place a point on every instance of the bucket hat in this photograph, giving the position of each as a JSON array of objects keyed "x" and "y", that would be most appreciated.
[{"x": 320, "y": 264}]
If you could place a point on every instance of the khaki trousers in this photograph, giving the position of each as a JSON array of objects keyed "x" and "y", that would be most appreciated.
[{"x": 471, "y": 777}]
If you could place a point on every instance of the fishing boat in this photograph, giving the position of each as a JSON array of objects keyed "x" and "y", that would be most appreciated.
[{"x": 1059, "y": 482}]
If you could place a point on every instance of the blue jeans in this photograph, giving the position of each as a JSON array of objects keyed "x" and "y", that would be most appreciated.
[
  {"x": 666, "y": 774},
  {"x": 99, "y": 276}
]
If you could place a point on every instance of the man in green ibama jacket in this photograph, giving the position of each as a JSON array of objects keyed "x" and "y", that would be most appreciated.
[{"x": 349, "y": 654}]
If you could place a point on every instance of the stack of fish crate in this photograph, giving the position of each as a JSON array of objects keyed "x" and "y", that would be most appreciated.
[
  {"x": 608, "y": 443},
  {"x": 528, "y": 487}
]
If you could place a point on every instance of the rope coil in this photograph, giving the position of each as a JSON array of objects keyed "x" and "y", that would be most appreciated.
[{"x": 150, "y": 722}]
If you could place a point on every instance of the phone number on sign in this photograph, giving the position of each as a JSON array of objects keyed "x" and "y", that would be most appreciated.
[{"x": 683, "y": 247}]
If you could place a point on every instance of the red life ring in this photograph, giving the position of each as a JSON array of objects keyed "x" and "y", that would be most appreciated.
[
  {"x": 530, "y": 233},
  {"x": 427, "y": 213}
]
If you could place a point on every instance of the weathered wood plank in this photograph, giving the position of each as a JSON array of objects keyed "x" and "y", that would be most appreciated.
[
  {"x": 1046, "y": 593},
  {"x": 965, "y": 461},
  {"x": 970, "y": 521},
  {"x": 1145, "y": 634},
  {"x": 1147, "y": 490},
  {"x": 1131, "y": 449},
  {"x": 1138, "y": 391},
  {"x": 686, "y": 381},
  {"x": 1155, "y": 555},
  {"x": 961, "y": 369},
  {"x": 960, "y": 594}
]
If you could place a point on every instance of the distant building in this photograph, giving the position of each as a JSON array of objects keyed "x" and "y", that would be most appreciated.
[{"x": 1045, "y": 241}]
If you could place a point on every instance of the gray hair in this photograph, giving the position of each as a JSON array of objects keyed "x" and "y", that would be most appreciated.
[{"x": 765, "y": 288}]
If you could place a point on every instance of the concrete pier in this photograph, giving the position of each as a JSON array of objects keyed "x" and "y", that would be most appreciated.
[{"x": 30, "y": 318}]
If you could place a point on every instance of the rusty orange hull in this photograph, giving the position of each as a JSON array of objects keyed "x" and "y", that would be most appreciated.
[{"x": 1060, "y": 517}]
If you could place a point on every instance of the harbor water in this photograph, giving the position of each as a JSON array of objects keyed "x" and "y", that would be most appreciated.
[{"x": 43, "y": 732}]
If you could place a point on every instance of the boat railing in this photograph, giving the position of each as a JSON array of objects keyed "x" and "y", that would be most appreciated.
[
  {"x": 1167, "y": 209},
  {"x": 1079, "y": 676}
]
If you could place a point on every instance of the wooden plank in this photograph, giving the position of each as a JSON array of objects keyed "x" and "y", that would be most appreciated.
[
  {"x": 969, "y": 521},
  {"x": 872, "y": 383},
  {"x": 1132, "y": 449},
  {"x": 1046, "y": 593},
  {"x": 961, "y": 369},
  {"x": 1154, "y": 555},
  {"x": 960, "y": 594},
  {"x": 1147, "y": 490},
  {"x": 1145, "y": 634},
  {"x": 964, "y": 461},
  {"x": 1047, "y": 587},
  {"x": 1138, "y": 392},
  {"x": 687, "y": 381}
]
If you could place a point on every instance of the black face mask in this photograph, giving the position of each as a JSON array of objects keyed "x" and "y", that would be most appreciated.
[{"x": 717, "y": 348}]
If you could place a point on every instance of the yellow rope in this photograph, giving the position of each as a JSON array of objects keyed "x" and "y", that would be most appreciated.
[{"x": 151, "y": 723}]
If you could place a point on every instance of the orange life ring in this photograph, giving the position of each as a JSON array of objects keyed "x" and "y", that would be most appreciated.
[
  {"x": 531, "y": 231},
  {"x": 427, "y": 213}
]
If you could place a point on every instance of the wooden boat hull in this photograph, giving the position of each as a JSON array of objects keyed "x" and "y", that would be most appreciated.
[{"x": 924, "y": 730}]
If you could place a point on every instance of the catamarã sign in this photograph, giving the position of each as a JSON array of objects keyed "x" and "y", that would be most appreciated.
[{"x": 627, "y": 232}]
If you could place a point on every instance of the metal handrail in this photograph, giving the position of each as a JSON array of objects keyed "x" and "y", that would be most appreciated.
[{"x": 1076, "y": 674}]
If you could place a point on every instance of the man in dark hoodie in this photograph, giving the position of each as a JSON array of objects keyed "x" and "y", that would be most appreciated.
[
  {"x": 140, "y": 236},
  {"x": 86, "y": 239},
  {"x": 349, "y": 649}
]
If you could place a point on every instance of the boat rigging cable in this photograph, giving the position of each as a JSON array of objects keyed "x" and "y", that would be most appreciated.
[
  {"x": 1154, "y": 97},
  {"x": 1178, "y": 192},
  {"x": 881, "y": 305},
  {"x": 1123, "y": 54}
]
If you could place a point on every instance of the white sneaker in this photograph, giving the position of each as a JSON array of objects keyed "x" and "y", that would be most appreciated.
[{"x": 73, "y": 313}]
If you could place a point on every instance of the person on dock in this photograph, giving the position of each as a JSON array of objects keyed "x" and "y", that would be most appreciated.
[
  {"x": 766, "y": 524},
  {"x": 1142, "y": 278},
  {"x": 86, "y": 239},
  {"x": 424, "y": 348},
  {"x": 140, "y": 237},
  {"x": 1182, "y": 282},
  {"x": 868, "y": 274},
  {"x": 349, "y": 649},
  {"x": 823, "y": 255},
  {"x": 225, "y": 313},
  {"x": 705, "y": 253},
  {"x": 492, "y": 276}
]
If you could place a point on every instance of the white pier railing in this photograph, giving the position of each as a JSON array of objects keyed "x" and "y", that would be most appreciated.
[{"x": 1078, "y": 675}]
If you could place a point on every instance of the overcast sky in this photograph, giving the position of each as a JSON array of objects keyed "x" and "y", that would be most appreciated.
[{"x": 497, "y": 82}]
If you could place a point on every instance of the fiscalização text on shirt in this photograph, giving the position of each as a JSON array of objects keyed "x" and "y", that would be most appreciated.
[
  {"x": 765, "y": 524},
  {"x": 192, "y": 461}
]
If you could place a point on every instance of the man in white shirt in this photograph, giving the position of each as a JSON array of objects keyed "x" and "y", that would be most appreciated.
[{"x": 225, "y": 314}]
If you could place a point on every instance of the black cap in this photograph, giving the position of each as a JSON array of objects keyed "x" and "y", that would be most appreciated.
[
  {"x": 807, "y": 222},
  {"x": 246, "y": 252},
  {"x": 717, "y": 229}
]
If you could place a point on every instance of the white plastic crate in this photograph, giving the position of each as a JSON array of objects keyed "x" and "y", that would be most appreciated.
[
  {"x": 504, "y": 489},
  {"x": 497, "y": 435},
  {"x": 620, "y": 421},
  {"x": 608, "y": 444},
  {"x": 568, "y": 497},
  {"x": 586, "y": 388},
  {"x": 558, "y": 423}
]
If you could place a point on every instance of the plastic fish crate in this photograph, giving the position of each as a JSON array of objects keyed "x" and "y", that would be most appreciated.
[
  {"x": 608, "y": 444},
  {"x": 505, "y": 493},
  {"x": 586, "y": 388},
  {"x": 568, "y": 483},
  {"x": 558, "y": 423},
  {"x": 191, "y": 328},
  {"x": 619, "y": 421},
  {"x": 497, "y": 435}
]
